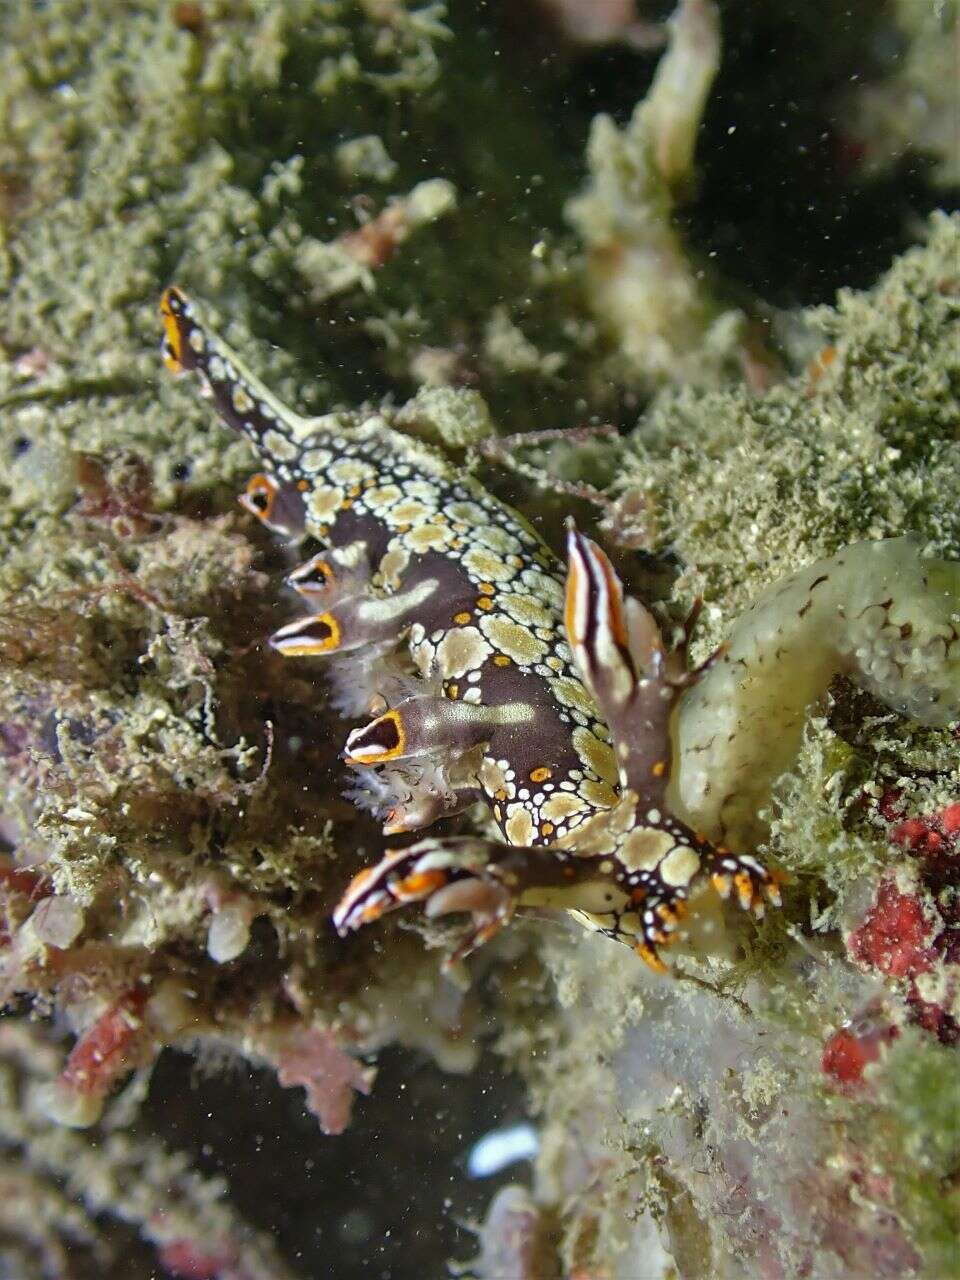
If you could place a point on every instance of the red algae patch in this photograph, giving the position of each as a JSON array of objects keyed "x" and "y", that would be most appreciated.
[{"x": 894, "y": 936}]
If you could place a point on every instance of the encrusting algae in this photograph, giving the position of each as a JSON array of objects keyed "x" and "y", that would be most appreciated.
[{"x": 177, "y": 825}]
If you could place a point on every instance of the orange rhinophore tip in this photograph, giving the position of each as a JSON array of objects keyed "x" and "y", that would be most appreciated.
[
  {"x": 173, "y": 305},
  {"x": 374, "y": 910},
  {"x": 360, "y": 879},
  {"x": 772, "y": 889},
  {"x": 745, "y": 891}
]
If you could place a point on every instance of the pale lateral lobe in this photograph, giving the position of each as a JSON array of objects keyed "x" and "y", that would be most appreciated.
[
  {"x": 881, "y": 613},
  {"x": 444, "y": 616}
]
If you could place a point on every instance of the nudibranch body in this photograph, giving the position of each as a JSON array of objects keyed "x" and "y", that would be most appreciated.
[
  {"x": 443, "y": 612},
  {"x": 612, "y": 771}
]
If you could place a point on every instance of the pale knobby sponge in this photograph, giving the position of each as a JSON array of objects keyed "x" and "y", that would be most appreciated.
[
  {"x": 455, "y": 417},
  {"x": 880, "y": 613}
]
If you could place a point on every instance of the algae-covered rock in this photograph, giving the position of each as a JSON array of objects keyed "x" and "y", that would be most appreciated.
[
  {"x": 862, "y": 444},
  {"x": 332, "y": 178}
]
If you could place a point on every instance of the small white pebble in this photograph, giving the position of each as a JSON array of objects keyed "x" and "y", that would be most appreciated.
[
  {"x": 171, "y": 1008},
  {"x": 68, "y": 1106},
  {"x": 56, "y": 922},
  {"x": 229, "y": 932}
]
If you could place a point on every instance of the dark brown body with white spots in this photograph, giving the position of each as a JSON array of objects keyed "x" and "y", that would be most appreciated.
[{"x": 444, "y": 613}]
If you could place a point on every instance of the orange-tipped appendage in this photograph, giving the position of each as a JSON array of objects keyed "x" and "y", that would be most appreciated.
[
  {"x": 173, "y": 348},
  {"x": 419, "y": 884},
  {"x": 650, "y": 957}
]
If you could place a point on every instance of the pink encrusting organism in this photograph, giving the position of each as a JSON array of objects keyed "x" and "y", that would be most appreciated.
[
  {"x": 910, "y": 933},
  {"x": 911, "y": 930}
]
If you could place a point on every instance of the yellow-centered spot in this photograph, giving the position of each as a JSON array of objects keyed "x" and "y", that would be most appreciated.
[
  {"x": 721, "y": 883},
  {"x": 744, "y": 888}
]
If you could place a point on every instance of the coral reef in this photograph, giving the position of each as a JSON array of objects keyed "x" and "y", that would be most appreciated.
[
  {"x": 861, "y": 445},
  {"x": 644, "y": 289},
  {"x": 174, "y": 828}
]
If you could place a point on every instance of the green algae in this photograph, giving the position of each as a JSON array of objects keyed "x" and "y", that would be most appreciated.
[
  {"x": 135, "y": 150},
  {"x": 918, "y": 1146},
  {"x": 118, "y": 132},
  {"x": 742, "y": 489},
  {"x": 862, "y": 444}
]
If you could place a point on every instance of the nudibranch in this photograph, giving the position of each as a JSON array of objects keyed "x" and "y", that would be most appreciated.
[{"x": 445, "y": 617}]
